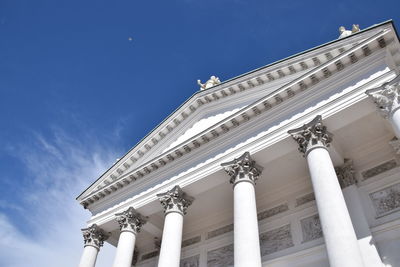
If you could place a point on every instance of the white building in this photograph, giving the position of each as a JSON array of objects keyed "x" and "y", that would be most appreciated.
[{"x": 293, "y": 164}]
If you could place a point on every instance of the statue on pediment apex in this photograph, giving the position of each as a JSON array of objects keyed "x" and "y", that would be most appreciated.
[
  {"x": 210, "y": 83},
  {"x": 344, "y": 33}
]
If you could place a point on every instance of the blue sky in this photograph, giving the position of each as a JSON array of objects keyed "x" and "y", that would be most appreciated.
[{"x": 76, "y": 93}]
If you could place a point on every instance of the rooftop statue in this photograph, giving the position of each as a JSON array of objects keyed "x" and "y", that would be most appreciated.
[
  {"x": 210, "y": 83},
  {"x": 344, "y": 33}
]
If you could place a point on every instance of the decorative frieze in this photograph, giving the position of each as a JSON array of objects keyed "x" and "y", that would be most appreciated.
[
  {"x": 190, "y": 261},
  {"x": 305, "y": 199},
  {"x": 130, "y": 220},
  {"x": 388, "y": 165},
  {"x": 311, "y": 228},
  {"x": 94, "y": 236},
  {"x": 220, "y": 231},
  {"x": 276, "y": 240},
  {"x": 386, "y": 97},
  {"x": 346, "y": 174},
  {"x": 311, "y": 135},
  {"x": 191, "y": 241},
  {"x": 221, "y": 257},
  {"x": 273, "y": 211},
  {"x": 387, "y": 200},
  {"x": 175, "y": 200},
  {"x": 150, "y": 255},
  {"x": 243, "y": 168}
]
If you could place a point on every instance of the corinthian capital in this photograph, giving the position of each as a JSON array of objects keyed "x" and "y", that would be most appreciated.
[
  {"x": 175, "y": 200},
  {"x": 386, "y": 97},
  {"x": 130, "y": 220},
  {"x": 242, "y": 169},
  {"x": 311, "y": 135},
  {"x": 94, "y": 236},
  {"x": 346, "y": 174}
]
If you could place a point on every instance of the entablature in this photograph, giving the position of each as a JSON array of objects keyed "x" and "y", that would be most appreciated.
[{"x": 121, "y": 174}]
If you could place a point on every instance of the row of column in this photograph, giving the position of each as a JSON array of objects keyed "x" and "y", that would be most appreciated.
[{"x": 313, "y": 140}]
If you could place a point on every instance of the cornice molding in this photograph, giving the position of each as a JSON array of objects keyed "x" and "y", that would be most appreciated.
[
  {"x": 273, "y": 136},
  {"x": 300, "y": 84}
]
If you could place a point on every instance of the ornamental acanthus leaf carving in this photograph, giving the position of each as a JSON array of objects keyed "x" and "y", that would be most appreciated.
[
  {"x": 130, "y": 220},
  {"x": 386, "y": 97},
  {"x": 94, "y": 236},
  {"x": 311, "y": 134},
  {"x": 242, "y": 168},
  {"x": 175, "y": 200}
]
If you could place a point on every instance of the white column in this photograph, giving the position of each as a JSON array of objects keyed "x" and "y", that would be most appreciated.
[
  {"x": 94, "y": 238},
  {"x": 244, "y": 173},
  {"x": 387, "y": 100},
  {"x": 366, "y": 243},
  {"x": 175, "y": 203},
  {"x": 130, "y": 222},
  {"x": 340, "y": 238}
]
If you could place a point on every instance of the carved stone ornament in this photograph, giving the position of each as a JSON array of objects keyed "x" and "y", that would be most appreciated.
[
  {"x": 386, "y": 97},
  {"x": 243, "y": 168},
  {"x": 395, "y": 144},
  {"x": 210, "y": 83},
  {"x": 311, "y": 135},
  {"x": 94, "y": 236},
  {"x": 346, "y": 174},
  {"x": 175, "y": 200},
  {"x": 130, "y": 220}
]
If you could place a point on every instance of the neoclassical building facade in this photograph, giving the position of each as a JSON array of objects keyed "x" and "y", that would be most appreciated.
[{"x": 293, "y": 164}]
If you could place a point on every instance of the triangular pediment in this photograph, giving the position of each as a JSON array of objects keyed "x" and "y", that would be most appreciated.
[{"x": 207, "y": 108}]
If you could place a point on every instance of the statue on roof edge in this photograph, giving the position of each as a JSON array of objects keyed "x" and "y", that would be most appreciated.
[
  {"x": 344, "y": 33},
  {"x": 210, "y": 83}
]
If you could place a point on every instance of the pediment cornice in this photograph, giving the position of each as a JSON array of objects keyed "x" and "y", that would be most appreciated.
[{"x": 319, "y": 65}]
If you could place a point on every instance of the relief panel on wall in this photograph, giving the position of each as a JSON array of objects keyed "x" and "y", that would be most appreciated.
[
  {"x": 388, "y": 165},
  {"x": 191, "y": 241},
  {"x": 305, "y": 199},
  {"x": 273, "y": 211},
  {"x": 221, "y": 257},
  {"x": 276, "y": 240},
  {"x": 220, "y": 231},
  {"x": 311, "y": 228},
  {"x": 190, "y": 261},
  {"x": 386, "y": 200}
]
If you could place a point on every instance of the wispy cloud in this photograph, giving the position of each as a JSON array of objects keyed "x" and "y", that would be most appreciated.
[{"x": 59, "y": 167}]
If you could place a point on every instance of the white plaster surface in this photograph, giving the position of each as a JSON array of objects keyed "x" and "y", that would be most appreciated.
[{"x": 200, "y": 126}]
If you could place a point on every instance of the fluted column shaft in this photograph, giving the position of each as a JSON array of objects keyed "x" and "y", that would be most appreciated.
[
  {"x": 244, "y": 172},
  {"x": 387, "y": 100},
  {"x": 130, "y": 223},
  {"x": 94, "y": 238},
  {"x": 175, "y": 203},
  {"x": 340, "y": 238}
]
